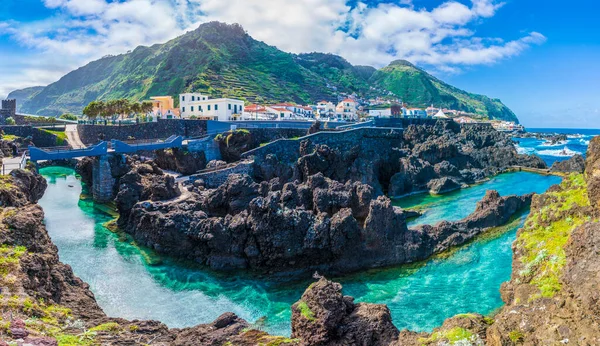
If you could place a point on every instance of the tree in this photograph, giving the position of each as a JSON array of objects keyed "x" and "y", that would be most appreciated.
[
  {"x": 135, "y": 108},
  {"x": 147, "y": 107},
  {"x": 68, "y": 116},
  {"x": 94, "y": 109}
]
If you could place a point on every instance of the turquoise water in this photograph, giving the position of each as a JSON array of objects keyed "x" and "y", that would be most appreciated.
[
  {"x": 420, "y": 297},
  {"x": 459, "y": 204}
]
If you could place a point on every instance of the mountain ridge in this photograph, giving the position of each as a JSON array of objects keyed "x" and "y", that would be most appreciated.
[{"x": 221, "y": 59}]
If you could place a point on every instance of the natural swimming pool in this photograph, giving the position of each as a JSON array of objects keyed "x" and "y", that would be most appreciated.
[{"x": 420, "y": 297}]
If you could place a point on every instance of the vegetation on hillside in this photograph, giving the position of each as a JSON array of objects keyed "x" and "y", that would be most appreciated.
[
  {"x": 222, "y": 60},
  {"x": 420, "y": 89}
]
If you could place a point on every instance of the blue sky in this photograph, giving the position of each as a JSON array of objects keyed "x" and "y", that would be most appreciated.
[{"x": 539, "y": 58}]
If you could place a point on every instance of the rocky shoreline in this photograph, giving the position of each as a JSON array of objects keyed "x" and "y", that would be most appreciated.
[
  {"x": 551, "y": 299},
  {"x": 310, "y": 212}
]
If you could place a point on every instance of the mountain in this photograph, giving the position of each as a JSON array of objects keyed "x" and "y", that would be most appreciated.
[
  {"x": 420, "y": 89},
  {"x": 222, "y": 60},
  {"x": 24, "y": 95}
]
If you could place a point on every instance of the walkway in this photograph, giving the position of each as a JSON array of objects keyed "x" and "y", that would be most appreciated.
[
  {"x": 100, "y": 149},
  {"x": 11, "y": 163},
  {"x": 73, "y": 136}
]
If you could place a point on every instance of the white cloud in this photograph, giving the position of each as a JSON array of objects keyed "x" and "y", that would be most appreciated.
[{"x": 443, "y": 37}]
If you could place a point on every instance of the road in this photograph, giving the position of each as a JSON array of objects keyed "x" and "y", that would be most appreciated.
[{"x": 73, "y": 136}]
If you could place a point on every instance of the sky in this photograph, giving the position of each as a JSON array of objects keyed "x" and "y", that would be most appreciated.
[{"x": 539, "y": 57}]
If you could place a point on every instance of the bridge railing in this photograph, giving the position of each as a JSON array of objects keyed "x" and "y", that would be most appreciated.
[
  {"x": 61, "y": 153},
  {"x": 171, "y": 142},
  {"x": 10, "y": 166}
]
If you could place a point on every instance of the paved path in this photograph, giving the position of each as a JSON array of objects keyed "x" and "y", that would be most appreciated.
[
  {"x": 10, "y": 163},
  {"x": 73, "y": 136}
]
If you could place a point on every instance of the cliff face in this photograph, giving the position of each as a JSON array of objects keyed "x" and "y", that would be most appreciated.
[{"x": 553, "y": 295}]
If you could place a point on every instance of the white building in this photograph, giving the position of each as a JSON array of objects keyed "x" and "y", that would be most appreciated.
[
  {"x": 414, "y": 113},
  {"x": 280, "y": 113},
  {"x": 386, "y": 112},
  {"x": 203, "y": 107},
  {"x": 325, "y": 109},
  {"x": 346, "y": 109}
]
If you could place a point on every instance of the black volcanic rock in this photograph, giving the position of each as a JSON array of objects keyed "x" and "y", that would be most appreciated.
[
  {"x": 323, "y": 316},
  {"x": 575, "y": 164}
]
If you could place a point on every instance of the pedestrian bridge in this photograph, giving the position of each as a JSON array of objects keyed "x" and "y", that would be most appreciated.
[{"x": 102, "y": 148}]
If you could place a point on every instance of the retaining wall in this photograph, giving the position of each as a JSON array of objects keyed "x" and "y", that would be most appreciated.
[
  {"x": 39, "y": 137},
  {"x": 208, "y": 145},
  {"x": 368, "y": 138},
  {"x": 162, "y": 128},
  {"x": 214, "y": 179}
]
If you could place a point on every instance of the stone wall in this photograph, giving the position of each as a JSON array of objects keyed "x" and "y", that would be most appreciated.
[
  {"x": 369, "y": 138},
  {"x": 267, "y": 135},
  {"x": 39, "y": 137},
  {"x": 8, "y": 110},
  {"x": 213, "y": 179},
  {"x": 163, "y": 128},
  {"x": 208, "y": 145}
]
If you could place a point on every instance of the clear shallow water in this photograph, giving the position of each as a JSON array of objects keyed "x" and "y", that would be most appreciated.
[
  {"x": 576, "y": 143},
  {"x": 420, "y": 297},
  {"x": 459, "y": 204}
]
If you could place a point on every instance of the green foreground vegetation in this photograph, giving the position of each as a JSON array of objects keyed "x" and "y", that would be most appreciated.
[{"x": 546, "y": 232}]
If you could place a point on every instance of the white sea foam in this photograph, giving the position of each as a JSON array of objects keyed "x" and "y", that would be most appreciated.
[
  {"x": 550, "y": 144},
  {"x": 522, "y": 150},
  {"x": 565, "y": 152},
  {"x": 584, "y": 142}
]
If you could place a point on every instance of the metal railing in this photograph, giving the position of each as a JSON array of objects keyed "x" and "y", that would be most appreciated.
[{"x": 9, "y": 167}]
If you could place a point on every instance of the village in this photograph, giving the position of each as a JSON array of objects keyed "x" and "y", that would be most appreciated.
[{"x": 349, "y": 109}]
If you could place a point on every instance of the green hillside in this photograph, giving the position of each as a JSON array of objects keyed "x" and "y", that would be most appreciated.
[
  {"x": 420, "y": 89},
  {"x": 222, "y": 60},
  {"x": 24, "y": 95}
]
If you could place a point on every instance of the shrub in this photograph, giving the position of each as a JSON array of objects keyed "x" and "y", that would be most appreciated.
[
  {"x": 10, "y": 121},
  {"x": 68, "y": 116}
]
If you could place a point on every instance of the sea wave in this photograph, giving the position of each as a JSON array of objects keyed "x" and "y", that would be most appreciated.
[
  {"x": 551, "y": 145},
  {"x": 565, "y": 152},
  {"x": 521, "y": 150}
]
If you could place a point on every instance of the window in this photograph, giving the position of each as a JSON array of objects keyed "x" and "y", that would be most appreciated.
[
  {"x": 200, "y": 108},
  {"x": 281, "y": 115},
  {"x": 193, "y": 98},
  {"x": 182, "y": 109},
  {"x": 182, "y": 98},
  {"x": 216, "y": 107},
  {"x": 192, "y": 109},
  {"x": 209, "y": 108},
  {"x": 229, "y": 106}
]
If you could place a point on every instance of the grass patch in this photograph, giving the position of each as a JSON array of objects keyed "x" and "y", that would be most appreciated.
[
  {"x": 306, "y": 312},
  {"x": 61, "y": 137},
  {"x": 10, "y": 138},
  {"x": 546, "y": 233},
  {"x": 453, "y": 336},
  {"x": 111, "y": 327},
  {"x": 516, "y": 336},
  {"x": 9, "y": 258}
]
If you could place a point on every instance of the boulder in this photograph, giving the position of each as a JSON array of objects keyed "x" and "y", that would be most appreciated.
[
  {"x": 575, "y": 164},
  {"x": 442, "y": 185},
  {"x": 323, "y": 316}
]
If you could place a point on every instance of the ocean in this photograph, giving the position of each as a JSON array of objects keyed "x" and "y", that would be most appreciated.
[{"x": 576, "y": 143}]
